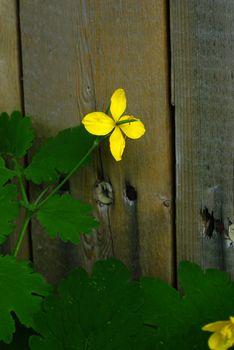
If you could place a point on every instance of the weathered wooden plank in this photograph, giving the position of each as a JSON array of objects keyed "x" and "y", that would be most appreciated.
[
  {"x": 9, "y": 63},
  {"x": 58, "y": 91},
  {"x": 202, "y": 37},
  {"x": 75, "y": 53},
  {"x": 10, "y": 87},
  {"x": 129, "y": 50}
]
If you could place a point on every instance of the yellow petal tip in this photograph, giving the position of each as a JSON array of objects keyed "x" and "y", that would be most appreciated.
[{"x": 118, "y": 103}]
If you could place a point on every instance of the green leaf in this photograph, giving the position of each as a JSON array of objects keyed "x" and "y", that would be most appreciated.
[
  {"x": 16, "y": 134},
  {"x": 59, "y": 155},
  {"x": 9, "y": 210},
  {"x": 20, "y": 338},
  {"x": 5, "y": 173},
  {"x": 21, "y": 292},
  {"x": 145, "y": 339},
  {"x": 66, "y": 217},
  {"x": 101, "y": 312},
  {"x": 207, "y": 297}
]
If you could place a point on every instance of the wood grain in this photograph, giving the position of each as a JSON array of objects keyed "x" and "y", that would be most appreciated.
[
  {"x": 129, "y": 46},
  {"x": 58, "y": 91},
  {"x": 10, "y": 87},
  {"x": 9, "y": 63},
  {"x": 75, "y": 54},
  {"x": 202, "y": 35}
]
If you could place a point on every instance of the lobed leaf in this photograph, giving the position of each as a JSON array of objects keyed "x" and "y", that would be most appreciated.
[
  {"x": 59, "y": 155},
  {"x": 9, "y": 210},
  {"x": 109, "y": 311},
  {"x": 100, "y": 312},
  {"x": 66, "y": 217},
  {"x": 5, "y": 173},
  {"x": 21, "y": 292},
  {"x": 20, "y": 338},
  {"x": 179, "y": 317},
  {"x": 16, "y": 134}
]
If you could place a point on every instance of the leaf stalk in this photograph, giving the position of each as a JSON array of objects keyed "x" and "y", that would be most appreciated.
[
  {"x": 76, "y": 167},
  {"x": 19, "y": 173},
  {"x": 22, "y": 233},
  {"x": 37, "y": 204}
]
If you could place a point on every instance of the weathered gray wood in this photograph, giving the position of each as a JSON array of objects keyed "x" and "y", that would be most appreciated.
[
  {"x": 202, "y": 35},
  {"x": 75, "y": 54}
]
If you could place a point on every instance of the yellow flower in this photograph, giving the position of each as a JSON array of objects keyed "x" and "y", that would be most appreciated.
[
  {"x": 99, "y": 123},
  {"x": 223, "y": 337}
]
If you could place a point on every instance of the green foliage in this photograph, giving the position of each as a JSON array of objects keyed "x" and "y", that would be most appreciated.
[
  {"x": 101, "y": 312},
  {"x": 20, "y": 338},
  {"x": 62, "y": 216},
  {"x": 21, "y": 292},
  {"x": 110, "y": 311},
  {"x": 206, "y": 297},
  {"x": 66, "y": 217},
  {"x": 59, "y": 155},
  {"x": 107, "y": 310},
  {"x": 9, "y": 210},
  {"x": 5, "y": 173},
  {"x": 16, "y": 134}
]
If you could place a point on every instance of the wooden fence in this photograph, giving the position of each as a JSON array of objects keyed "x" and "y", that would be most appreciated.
[{"x": 61, "y": 59}]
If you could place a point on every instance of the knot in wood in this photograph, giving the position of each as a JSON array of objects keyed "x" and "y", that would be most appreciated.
[{"x": 103, "y": 193}]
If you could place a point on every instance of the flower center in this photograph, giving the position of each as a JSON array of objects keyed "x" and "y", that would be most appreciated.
[
  {"x": 129, "y": 121},
  {"x": 227, "y": 333}
]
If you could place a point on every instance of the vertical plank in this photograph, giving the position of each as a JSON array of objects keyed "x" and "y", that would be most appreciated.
[
  {"x": 9, "y": 63},
  {"x": 58, "y": 91},
  {"x": 72, "y": 69},
  {"x": 202, "y": 36},
  {"x": 10, "y": 87},
  {"x": 129, "y": 49}
]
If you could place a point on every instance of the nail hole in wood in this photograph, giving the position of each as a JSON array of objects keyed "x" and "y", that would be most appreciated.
[{"x": 131, "y": 193}]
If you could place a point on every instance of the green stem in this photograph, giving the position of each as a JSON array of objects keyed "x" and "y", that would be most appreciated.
[
  {"x": 127, "y": 121},
  {"x": 41, "y": 195},
  {"x": 76, "y": 167},
  {"x": 19, "y": 173},
  {"x": 28, "y": 215},
  {"x": 22, "y": 233},
  {"x": 22, "y": 189}
]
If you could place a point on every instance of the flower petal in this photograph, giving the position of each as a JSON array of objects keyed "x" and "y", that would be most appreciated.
[
  {"x": 118, "y": 103},
  {"x": 217, "y": 342},
  {"x": 117, "y": 144},
  {"x": 98, "y": 123},
  {"x": 133, "y": 130},
  {"x": 215, "y": 326}
]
